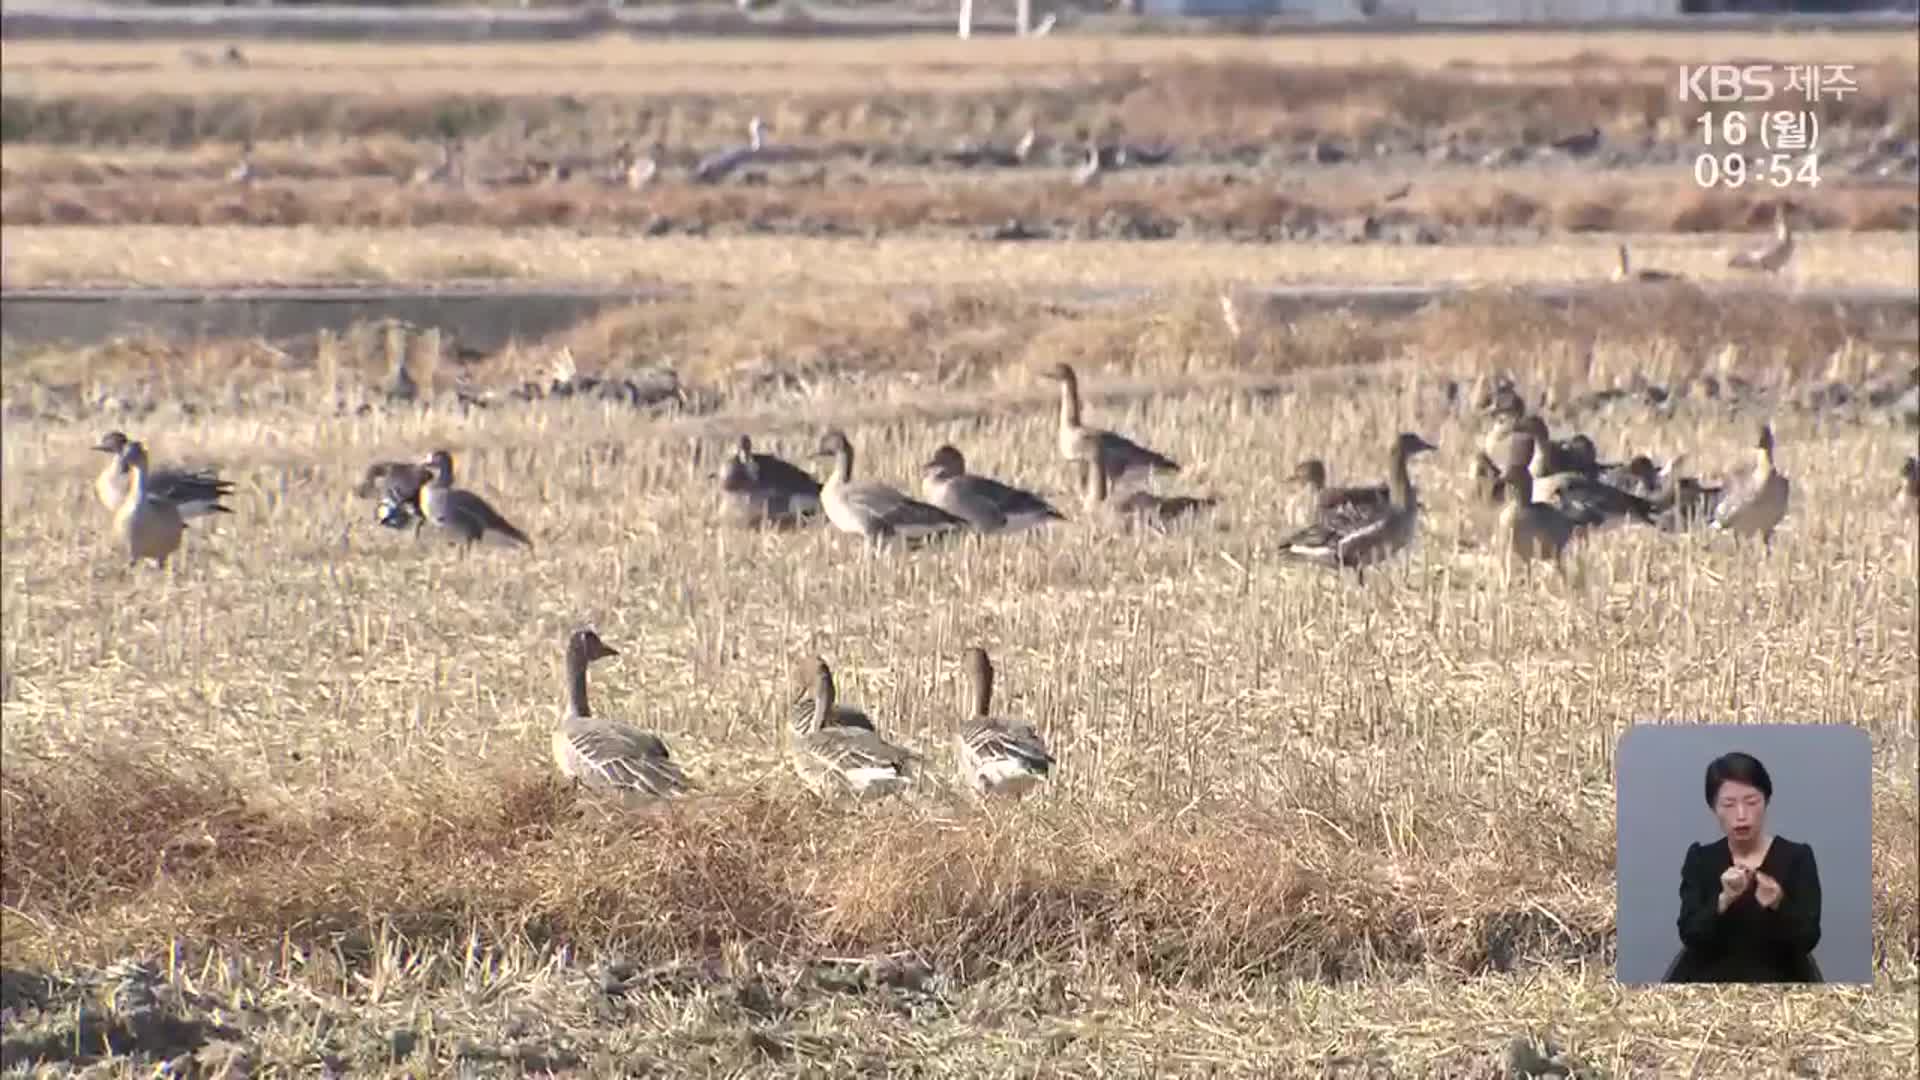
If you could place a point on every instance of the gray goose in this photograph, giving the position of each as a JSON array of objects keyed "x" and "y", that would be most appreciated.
[
  {"x": 765, "y": 488},
  {"x": 838, "y": 758},
  {"x": 1755, "y": 503},
  {"x": 874, "y": 511},
  {"x": 1359, "y": 537},
  {"x": 1078, "y": 442},
  {"x": 1587, "y": 502},
  {"x": 1531, "y": 530},
  {"x": 150, "y": 527},
  {"x": 987, "y": 504},
  {"x": 1135, "y": 507},
  {"x": 192, "y": 492},
  {"x": 461, "y": 514},
  {"x": 606, "y": 755},
  {"x": 997, "y": 756}
]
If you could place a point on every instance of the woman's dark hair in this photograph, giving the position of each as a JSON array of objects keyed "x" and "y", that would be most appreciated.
[{"x": 1744, "y": 768}]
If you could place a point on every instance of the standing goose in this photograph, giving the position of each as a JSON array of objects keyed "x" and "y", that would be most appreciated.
[
  {"x": 870, "y": 510},
  {"x": 194, "y": 493},
  {"x": 602, "y": 754},
  {"x": 1135, "y": 507},
  {"x": 1359, "y": 537},
  {"x": 1773, "y": 257},
  {"x": 715, "y": 167},
  {"x": 1531, "y": 530},
  {"x": 1546, "y": 456},
  {"x": 1907, "y": 501},
  {"x": 1584, "y": 500},
  {"x": 986, "y": 504},
  {"x": 1757, "y": 501},
  {"x": 150, "y": 527},
  {"x": 832, "y": 758},
  {"x": 998, "y": 757},
  {"x": 1079, "y": 442},
  {"x": 1087, "y": 174},
  {"x": 460, "y": 513},
  {"x": 397, "y": 485}
]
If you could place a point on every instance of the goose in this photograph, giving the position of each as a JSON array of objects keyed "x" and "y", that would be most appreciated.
[
  {"x": 1359, "y": 537},
  {"x": 443, "y": 173},
  {"x": 1135, "y": 507},
  {"x": 243, "y": 171},
  {"x": 1587, "y": 501},
  {"x": 1773, "y": 257},
  {"x": 997, "y": 756},
  {"x": 1626, "y": 272},
  {"x": 1907, "y": 500},
  {"x": 150, "y": 527},
  {"x": 193, "y": 492},
  {"x": 765, "y": 488},
  {"x": 1079, "y": 442},
  {"x": 1500, "y": 444},
  {"x": 1687, "y": 503},
  {"x": 1639, "y": 475},
  {"x": 832, "y": 758},
  {"x": 1087, "y": 173},
  {"x": 1547, "y": 456},
  {"x": 715, "y": 167},
  {"x": 871, "y": 510},
  {"x": 605, "y": 755},
  {"x": 1488, "y": 479},
  {"x": 396, "y": 484},
  {"x": 460, "y": 513},
  {"x": 1531, "y": 530},
  {"x": 1313, "y": 473},
  {"x": 986, "y": 504},
  {"x": 1757, "y": 501}
]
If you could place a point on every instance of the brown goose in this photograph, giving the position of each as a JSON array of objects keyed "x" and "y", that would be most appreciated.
[
  {"x": 997, "y": 757},
  {"x": 1313, "y": 473},
  {"x": 838, "y": 758},
  {"x": 766, "y": 489},
  {"x": 150, "y": 527},
  {"x": 1359, "y": 537},
  {"x": 1772, "y": 258},
  {"x": 1907, "y": 500},
  {"x": 987, "y": 504},
  {"x": 461, "y": 514},
  {"x": 602, "y": 754},
  {"x": 1626, "y": 272},
  {"x": 1755, "y": 503},
  {"x": 1078, "y": 442},
  {"x": 1531, "y": 530},
  {"x": 194, "y": 493},
  {"x": 1135, "y": 507}
]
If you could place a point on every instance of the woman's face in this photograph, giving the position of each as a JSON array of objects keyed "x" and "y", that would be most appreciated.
[{"x": 1742, "y": 810}]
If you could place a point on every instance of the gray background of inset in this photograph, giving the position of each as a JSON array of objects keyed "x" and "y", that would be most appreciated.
[{"x": 1822, "y": 795}]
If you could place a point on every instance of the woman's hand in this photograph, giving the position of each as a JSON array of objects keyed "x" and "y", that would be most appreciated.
[
  {"x": 1766, "y": 890},
  {"x": 1733, "y": 882}
]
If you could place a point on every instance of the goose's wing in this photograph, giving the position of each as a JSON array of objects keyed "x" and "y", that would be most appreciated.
[
  {"x": 800, "y": 714},
  {"x": 190, "y": 489},
  {"x": 1589, "y": 502},
  {"x": 892, "y": 510},
  {"x": 1733, "y": 497},
  {"x": 1018, "y": 745},
  {"x": 1010, "y": 501},
  {"x": 623, "y": 757},
  {"x": 1369, "y": 498},
  {"x": 1323, "y": 540},
  {"x": 1124, "y": 454},
  {"x": 858, "y": 754},
  {"x": 478, "y": 516},
  {"x": 778, "y": 474}
]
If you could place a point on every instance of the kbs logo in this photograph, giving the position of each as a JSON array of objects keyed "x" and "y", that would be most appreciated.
[{"x": 1750, "y": 83}]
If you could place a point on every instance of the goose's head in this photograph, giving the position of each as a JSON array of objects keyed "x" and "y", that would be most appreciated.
[
  {"x": 585, "y": 645},
  {"x": 1061, "y": 373},
  {"x": 1311, "y": 472},
  {"x": 112, "y": 443},
  {"x": 947, "y": 462},
  {"x": 439, "y": 465},
  {"x": 833, "y": 444},
  {"x": 1410, "y": 444}
]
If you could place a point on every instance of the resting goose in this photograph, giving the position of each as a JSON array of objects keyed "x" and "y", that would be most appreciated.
[
  {"x": 986, "y": 504},
  {"x": 1313, "y": 473},
  {"x": 1078, "y": 442},
  {"x": 765, "y": 488},
  {"x": 997, "y": 757},
  {"x": 194, "y": 493},
  {"x": 1757, "y": 501},
  {"x": 1135, "y": 507},
  {"x": 835, "y": 758},
  {"x": 602, "y": 754},
  {"x": 1626, "y": 272},
  {"x": 1773, "y": 257},
  {"x": 870, "y": 510},
  {"x": 1585, "y": 501},
  {"x": 1546, "y": 456},
  {"x": 461, "y": 514},
  {"x": 1531, "y": 530},
  {"x": 150, "y": 527},
  {"x": 1359, "y": 536}
]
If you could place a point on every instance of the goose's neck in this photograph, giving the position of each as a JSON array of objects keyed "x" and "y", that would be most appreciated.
[
  {"x": 842, "y": 466},
  {"x": 137, "y": 483},
  {"x": 823, "y": 701},
  {"x": 982, "y": 691},
  {"x": 1096, "y": 489},
  {"x": 577, "y": 683},
  {"x": 1069, "y": 404},
  {"x": 1763, "y": 460},
  {"x": 1400, "y": 483}
]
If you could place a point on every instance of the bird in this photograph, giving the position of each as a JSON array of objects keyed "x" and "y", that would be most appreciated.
[
  {"x": 445, "y": 172},
  {"x": 834, "y": 758},
  {"x": 193, "y": 492},
  {"x": 1531, "y": 530},
  {"x": 1546, "y": 456},
  {"x": 1313, "y": 474},
  {"x": 1359, "y": 536},
  {"x": 243, "y": 171},
  {"x": 460, "y": 513},
  {"x": 874, "y": 510},
  {"x": 766, "y": 489},
  {"x": 1907, "y": 500},
  {"x": 1078, "y": 442},
  {"x": 606, "y": 755},
  {"x": 1687, "y": 503},
  {"x": 1626, "y": 272},
  {"x": 1755, "y": 502},
  {"x": 987, "y": 504},
  {"x": 396, "y": 484},
  {"x": 1639, "y": 475},
  {"x": 150, "y": 527},
  {"x": 997, "y": 756},
  {"x": 1774, "y": 256},
  {"x": 715, "y": 167},
  {"x": 1087, "y": 173},
  {"x": 1135, "y": 507},
  {"x": 1585, "y": 500}
]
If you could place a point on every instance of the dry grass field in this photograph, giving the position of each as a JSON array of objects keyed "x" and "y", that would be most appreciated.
[{"x": 287, "y": 806}]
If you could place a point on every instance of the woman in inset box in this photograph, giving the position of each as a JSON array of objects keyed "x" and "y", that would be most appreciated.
[{"x": 1749, "y": 903}]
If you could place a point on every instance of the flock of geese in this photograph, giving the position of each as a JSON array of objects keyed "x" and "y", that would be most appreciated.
[{"x": 1551, "y": 492}]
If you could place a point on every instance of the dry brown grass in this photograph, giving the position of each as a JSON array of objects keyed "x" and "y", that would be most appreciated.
[
  {"x": 213, "y": 256},
  {"x": 1295, "y": 818}
]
